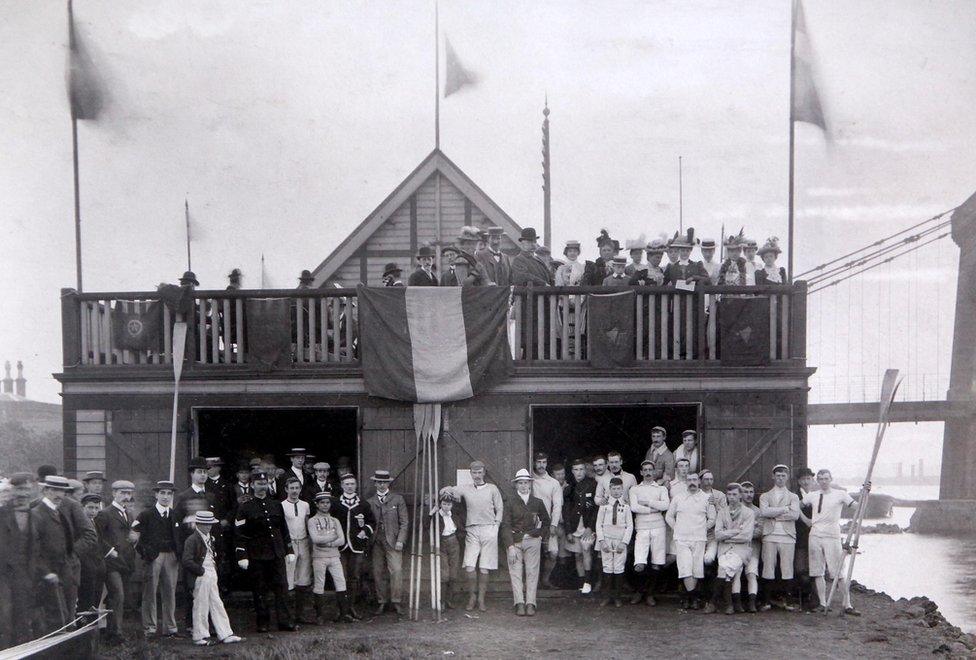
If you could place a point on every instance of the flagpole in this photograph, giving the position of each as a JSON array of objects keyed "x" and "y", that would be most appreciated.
[
  {"x": 546, "y": 181},
  {"x": 74, "y": 157},
  {"x": 186, "y": 208},
  {"x": 681, "y": 208},
  {"x": 437, "y": 77},
  {"x": 789, "y": 262}
]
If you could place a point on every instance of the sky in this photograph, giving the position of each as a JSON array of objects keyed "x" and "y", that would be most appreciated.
[{"x": 285, "y": 124}]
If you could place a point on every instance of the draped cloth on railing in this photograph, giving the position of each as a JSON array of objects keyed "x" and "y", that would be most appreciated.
[
  {"x": 269, "y": 332},
  {"x": 433, "y": 344},
  {"x": 611, "y": 329}
]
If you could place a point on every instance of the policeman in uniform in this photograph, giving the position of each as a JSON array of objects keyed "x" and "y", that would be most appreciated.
[{"x": 263, "y": 547}]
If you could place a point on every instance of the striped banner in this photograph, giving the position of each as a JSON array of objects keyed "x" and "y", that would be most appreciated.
[{"x": 433, "y": 344}]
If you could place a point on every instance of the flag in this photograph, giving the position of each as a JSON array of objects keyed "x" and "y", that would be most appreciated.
[
  {"x": 268, "y": 331},
  {"x": 744, "y": 329},
  {"x": 137, "y": 326},
  {"x": 610, "y": 324},
  {"x": 86, "y": 95},
  {"x": 456, "y": 75},
  {"x": 433, "y": 344},
  {"x": 806, "y": 98}
]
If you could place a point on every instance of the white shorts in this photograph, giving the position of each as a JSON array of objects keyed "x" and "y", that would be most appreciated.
[
  {"x": 711, "y": 551},
  {"x": 481, "y": 547},
  {"x": 773, "y": 550},
  {"x": 752, "y": 566},
  {"x": 299, "y": 574},
  {"x": 734, "y": 560},
  {"x": 825, "y": 554},
  {"x": 614, "y": 562},
  {"x": 690, "y": 557},
  {"x": 653, "y": 540}
]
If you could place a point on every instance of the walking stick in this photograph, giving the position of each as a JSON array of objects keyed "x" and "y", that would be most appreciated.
[{"x": 888, "y": 389}]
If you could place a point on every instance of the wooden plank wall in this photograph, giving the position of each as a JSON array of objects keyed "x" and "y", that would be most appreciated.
[
  {"x": 412, "y": 224},
  {"x": 138, "y": 446}
]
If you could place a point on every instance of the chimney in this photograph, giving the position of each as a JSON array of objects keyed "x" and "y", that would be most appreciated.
[
  {"x": 8, "y": 382},
  {"x": 21, "y": 381}
]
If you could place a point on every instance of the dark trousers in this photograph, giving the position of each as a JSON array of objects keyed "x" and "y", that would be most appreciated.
[
  {"x": 115, "y": 601},
  {"x": 90, "y": 585},
  {"x": 269, "y": 575},
  {"x": 353, "y": 565},
  {"x": 16, "y": 608}
]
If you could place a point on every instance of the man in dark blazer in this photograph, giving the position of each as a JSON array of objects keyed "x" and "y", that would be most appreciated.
[
  {"x": 525, "y": 523},
  {"x": 17, "y": 546},
  {"x": 497, "y": 265},
  {"x": 54, "y": 548},
  {"x": 157, "y": 535},
  {"x": 392, "y": 522},
  {"x": 355, "y": 516},
  {"x": 527, "y": 267},
  {"x": 92, "y": 562},
  {"x": 220, "y": 487},
  {"x": 319, "y": 482},
  {"x": 197, "y": 498},
  {"x": 424, "y": 275},
  {"x": 114, "y": 524}
]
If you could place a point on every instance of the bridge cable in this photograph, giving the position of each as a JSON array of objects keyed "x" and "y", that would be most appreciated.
[
  {"x": 821, "y": 287},
  {"x": 877, "y": 243}
]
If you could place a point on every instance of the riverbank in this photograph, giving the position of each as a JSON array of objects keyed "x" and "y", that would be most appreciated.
[{"x": 568, "y": 626}]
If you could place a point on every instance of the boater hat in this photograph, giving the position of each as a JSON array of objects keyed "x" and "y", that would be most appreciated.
[
  {"x": 572, "y": 245},
  {"x": 381, "y": 475},
  {"x": 214, "y": 461},
  {"x": 297, "y": 451},
  {"x": 708, "y": 244},
  {"x": 54, "y": 481},
  {"x": 205, "y": 517},
  {"x": 496, "y": 231}
]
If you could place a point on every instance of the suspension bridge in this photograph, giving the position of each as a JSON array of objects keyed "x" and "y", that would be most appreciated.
[{"x": 884, "y": 305}]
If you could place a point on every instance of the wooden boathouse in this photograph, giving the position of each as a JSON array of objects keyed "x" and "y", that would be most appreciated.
[{"x": 117, "y": 403}]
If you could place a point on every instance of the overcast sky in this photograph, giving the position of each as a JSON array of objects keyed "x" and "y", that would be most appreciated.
[{"x": 287, "y": 123}]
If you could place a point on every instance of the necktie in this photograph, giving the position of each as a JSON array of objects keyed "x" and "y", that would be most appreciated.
[
  {"x": 165, "y": 514},
  {"x": 820, "y": 504},
  {"x": 295, "y": 504},
  {"x": 210, "y": 547},
  {"x": 615, "y": 512},
  {"x": 383, "y": 499}
]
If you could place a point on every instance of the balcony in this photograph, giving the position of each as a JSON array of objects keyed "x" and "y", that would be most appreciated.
[{"x": 675, "y": 331}]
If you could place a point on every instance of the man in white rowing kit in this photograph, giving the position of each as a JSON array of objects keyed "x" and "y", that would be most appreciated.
[
  {"x": 826, "y": 550},
  {"x": 649, "y": 502},
  {"x": 780, "y": 509}
]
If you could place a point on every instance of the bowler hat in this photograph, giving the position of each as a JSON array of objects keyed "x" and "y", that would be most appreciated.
[
  {"x": 391, "y": 268},
  {"x": 425, "y": 251},
  {"x": 306, "y": 277},
  {"x": 528, "y": 234},
  {"x": 189, "y": 277},
  {"x": 197, "y": 463}
]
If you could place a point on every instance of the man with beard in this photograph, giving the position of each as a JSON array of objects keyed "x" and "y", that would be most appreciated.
[
  {"x": 263, "y": 548},
  {"x": 497, "y": 265},
  {"x": 17, "y": 546},
  {"x": 547, "y": 489}
]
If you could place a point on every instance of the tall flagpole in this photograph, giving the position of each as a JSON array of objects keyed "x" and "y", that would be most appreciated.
[
  {"x": 546, "y": 181},
  {"x": 437, "y": 76},
  {"x": 74, "y": 155},
  {"x": 186, "y": 209},
  {"x": 681, "y": 197},
  {"x": 789, "y": 261}
]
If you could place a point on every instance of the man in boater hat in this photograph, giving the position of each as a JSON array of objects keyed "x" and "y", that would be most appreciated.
[{"x": 525, "y": 525}]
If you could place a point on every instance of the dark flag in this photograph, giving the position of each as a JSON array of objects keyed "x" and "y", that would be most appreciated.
[
  {"x": 806, "y": 98},
  {"x": 268, "y": 332},
  {"x": 744, "y": 329},
  {"x": 433, "y": 344},
  {"x": 137, "y": 326},
  {"x": 610, "y": 324},
  {"x": 85, "y": 92},
  {"x": 456, "y": 75}
]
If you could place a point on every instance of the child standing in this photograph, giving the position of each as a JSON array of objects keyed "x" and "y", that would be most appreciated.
[
  {"x": 614, "y": 527},
  {"x": 201, "y": 554}
]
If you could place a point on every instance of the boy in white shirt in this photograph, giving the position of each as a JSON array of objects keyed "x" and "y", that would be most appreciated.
[
  {"x": 826, "y": 551},
  {"x": 614, "y": 527}
]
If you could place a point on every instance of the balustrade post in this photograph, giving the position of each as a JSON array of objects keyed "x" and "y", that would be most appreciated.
[
  {"x": 70, "y": 328},
  {"x": 700, "y": 323},
  {"x": 527, "y": 321},
  {"x": 798, "y": 321}
]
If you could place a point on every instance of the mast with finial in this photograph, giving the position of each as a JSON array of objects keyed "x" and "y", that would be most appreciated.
[{"x": 546, "y": 180}]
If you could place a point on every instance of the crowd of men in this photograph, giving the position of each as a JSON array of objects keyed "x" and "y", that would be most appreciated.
[{"x": 292, "y": 535}]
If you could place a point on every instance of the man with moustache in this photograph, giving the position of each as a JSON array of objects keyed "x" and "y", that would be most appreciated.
[
  {"x": 114, "y": 525},
  {"x": 649, "y": 501},
  {"x": 17, "y": 547}
]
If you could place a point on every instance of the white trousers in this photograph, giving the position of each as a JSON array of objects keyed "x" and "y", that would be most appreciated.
[{"x": 207, "y": 603}]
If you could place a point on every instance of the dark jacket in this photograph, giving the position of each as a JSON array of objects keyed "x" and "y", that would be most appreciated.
[
  {"x": 312, "y": 489},
  {"x": 763, "y": 278},
  {"x": 530, "y": 269},
  {"x": 581, "y": 505},
  {"x": 392, "y": 518},
  {"x": 420, "y": 278},
  {"x": 351, "y": 523},
  {"x": 188, "y": 502},
  {"x": 498, "y": 272},
  {"x": 261, "y": 530},
  {"x": 224, "y": 495},
  {"x": 17, "y": 547},
  {"x": 694, "y": 271},
  {"x": 55, "y": 544},
  {"x": 596, "y": 275},
  {"x": 157, "y": 534},
  {"x": 194, "y": 551},
  {"x": 648, "y": 276},
  {"x": 523, "y": 519},
  {"x": 113, "y": 532}
]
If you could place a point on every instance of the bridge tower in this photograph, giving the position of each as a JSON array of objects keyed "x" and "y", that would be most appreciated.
[{"x": 958, "y": 479}]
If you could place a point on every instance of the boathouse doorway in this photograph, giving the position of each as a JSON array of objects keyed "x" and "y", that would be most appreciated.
[
  {"x": 239, "y": 434},
  {"x": 569, "y": 431}
]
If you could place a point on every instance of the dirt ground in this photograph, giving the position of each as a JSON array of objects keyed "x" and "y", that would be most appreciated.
[{"x": 571, "y": 626}]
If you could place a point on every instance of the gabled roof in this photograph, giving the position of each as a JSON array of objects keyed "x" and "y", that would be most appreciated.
[{"x": 436, "y": 161}]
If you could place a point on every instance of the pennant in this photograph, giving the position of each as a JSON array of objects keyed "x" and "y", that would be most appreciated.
[
  {"x": 86, "y": 95},
  {"x": 806, "y": 98},
  {"x": 744, "y": 329},
  {"x": 268, "y": 332},
  {"x": 610, "y": 324},
  {"x": 456, "y": 75},
  {"x": 433, "y": 344},
  {"x": 137, "y": 325}
]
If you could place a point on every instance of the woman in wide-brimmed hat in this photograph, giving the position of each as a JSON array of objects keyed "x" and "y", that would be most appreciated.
[{"x": 770, "y": 273}]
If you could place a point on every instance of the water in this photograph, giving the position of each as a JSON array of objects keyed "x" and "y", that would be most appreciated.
[{"x": 905, "y": 565}]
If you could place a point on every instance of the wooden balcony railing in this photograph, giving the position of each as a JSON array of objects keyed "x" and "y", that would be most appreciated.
[{"x": 547, "y": 325}]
